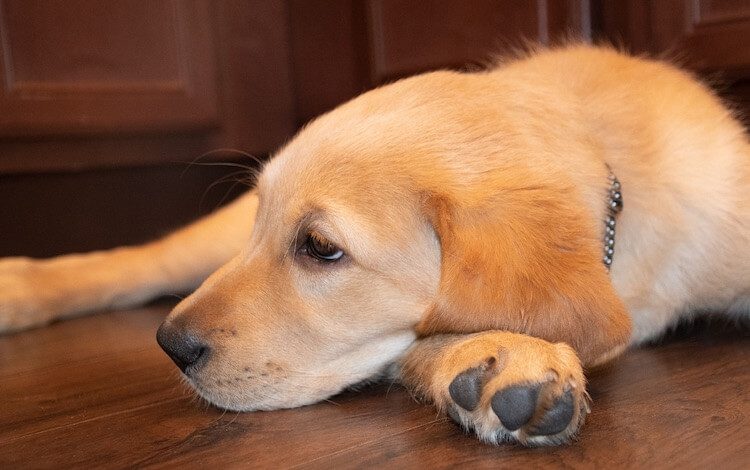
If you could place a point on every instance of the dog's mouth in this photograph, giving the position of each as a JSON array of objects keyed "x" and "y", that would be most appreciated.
[{"x": 273, "y": 384}]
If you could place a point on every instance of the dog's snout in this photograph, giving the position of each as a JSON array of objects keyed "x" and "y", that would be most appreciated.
[{"x": 184, "y": 347}]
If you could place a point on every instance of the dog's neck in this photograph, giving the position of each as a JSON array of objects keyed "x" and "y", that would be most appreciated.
[{"x": 614, "y": 206}]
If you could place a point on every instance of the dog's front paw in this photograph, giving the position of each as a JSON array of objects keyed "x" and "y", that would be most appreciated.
[
  {"x": 511, "y": 397},
  {"x": 503, "y": 386},
  {"x": 21, "y": 305}
]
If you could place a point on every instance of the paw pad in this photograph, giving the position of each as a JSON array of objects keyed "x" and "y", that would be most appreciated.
[
  {"x": 541, "y": 412},
  {"x": 557, "y": 418},
  {"x": 466, "y": 388},
  {"x": 515, "y": 405}
]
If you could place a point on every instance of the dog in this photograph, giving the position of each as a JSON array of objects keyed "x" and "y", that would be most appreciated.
[{"x": 483, "y": 237}]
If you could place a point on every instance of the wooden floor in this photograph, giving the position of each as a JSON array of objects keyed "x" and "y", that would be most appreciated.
[{"x": 97, "y": 391}]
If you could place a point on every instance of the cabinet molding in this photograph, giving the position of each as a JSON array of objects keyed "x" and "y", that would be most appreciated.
[{"x": 85, "y": 67}]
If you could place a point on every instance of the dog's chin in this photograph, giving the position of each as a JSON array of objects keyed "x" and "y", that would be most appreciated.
[
  {"x": 251, "y": 398},
  {"x": 230, "y": 402}
]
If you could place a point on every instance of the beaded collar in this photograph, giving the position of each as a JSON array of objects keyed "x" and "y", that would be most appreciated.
[{"x": 614, "y": 206}]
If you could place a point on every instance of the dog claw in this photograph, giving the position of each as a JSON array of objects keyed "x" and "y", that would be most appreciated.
[{"x": 453, "y": 414}]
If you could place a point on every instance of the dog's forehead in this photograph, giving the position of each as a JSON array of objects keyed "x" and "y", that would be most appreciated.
[
  {"x": 320, "y": 170},
  {"x": 369, "y": 153},
  {"x": 356, "y": 201},
  {"x": 296, "y": 185}
]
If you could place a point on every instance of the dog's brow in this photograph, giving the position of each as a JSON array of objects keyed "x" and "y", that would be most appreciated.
[
  {"x": 321, "y": 220},
  {"x": 303, "y": 222},
  {"x": 308, "y": 216}
]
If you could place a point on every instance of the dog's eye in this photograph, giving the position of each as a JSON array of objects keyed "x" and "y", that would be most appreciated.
[{"x": 321, "y": 249}]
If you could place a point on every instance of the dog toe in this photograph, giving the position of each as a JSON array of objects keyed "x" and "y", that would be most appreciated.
[
  {"x": 466, "y": 388},
  {"x": 533, "y": 393},
  {"x": 557, "y": 418},
  {"x": 515, "y": 405}
]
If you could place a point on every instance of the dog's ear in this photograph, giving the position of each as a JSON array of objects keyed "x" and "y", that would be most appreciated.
[{"x": 524, "y": 260}]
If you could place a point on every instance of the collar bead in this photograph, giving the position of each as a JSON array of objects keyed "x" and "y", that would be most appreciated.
[{"x": 614, "y": 206}]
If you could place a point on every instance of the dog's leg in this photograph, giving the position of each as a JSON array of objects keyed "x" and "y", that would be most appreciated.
[
  {"x": 503, "y": 386},
  {"x": 35, "y": 292}
]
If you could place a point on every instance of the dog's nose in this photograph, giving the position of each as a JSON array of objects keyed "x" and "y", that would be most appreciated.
[{"x": 184, "y": 347}]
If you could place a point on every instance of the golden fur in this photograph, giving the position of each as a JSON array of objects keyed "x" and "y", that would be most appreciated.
[{"x": 470, "y": 210}]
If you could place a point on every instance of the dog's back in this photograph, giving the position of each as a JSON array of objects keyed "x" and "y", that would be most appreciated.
[{"x": 683, "y": 240}]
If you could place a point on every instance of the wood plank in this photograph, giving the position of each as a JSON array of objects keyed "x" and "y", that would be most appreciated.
[{"x": 97, "y": 391}]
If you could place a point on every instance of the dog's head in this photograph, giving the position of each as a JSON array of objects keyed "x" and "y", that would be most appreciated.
[{"x": 404, "y": 212}]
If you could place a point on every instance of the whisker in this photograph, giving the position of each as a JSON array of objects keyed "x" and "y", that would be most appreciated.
[
  {"x": 224, "y": 179},
  {"x": 390, "y": 386},
  {"x": 224, "y": 411},
  {"x": 293, "y": 250},
  {"x": 229, "y": 191},
  {"x": 234, "y": 418},
  {"x": 252, "y": 157},
  {"x": 196, "y": 161}
]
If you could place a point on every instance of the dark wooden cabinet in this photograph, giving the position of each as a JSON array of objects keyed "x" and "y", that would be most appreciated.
[
  {"x": 712, "y": 37},
  {"x": 341, "y": 48},
  {"x": 83, "y": 67},
  {"x": 88, "y": 84},
  {"x": 715, "y": 34},
  {"x": 103, "y": 105},
  {"x": 708, "y": 35},
  {"x": 129, "y": 92}
]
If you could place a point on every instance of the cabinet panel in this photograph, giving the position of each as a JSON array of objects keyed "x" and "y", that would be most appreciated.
[
  {"x": 711, "y": 37},
  {"x": 713, "y": 34},
  {"x": 408, "y": 37},
  {"x": 707, "y": 35},
  {"x": 85, "y": 44},
  {"x": 85, "y": 66},
  {"x": 343, "y": 47},
  {"x": 329, "y": 54},
  {"x": 91, "y": 84},
  {"x": 719, "y": 11}
]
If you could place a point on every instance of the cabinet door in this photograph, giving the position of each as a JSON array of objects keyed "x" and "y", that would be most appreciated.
[
  {"x": 714, "y": 33},
  {"x": 131, "y": 91},
  {"x": 343, "y": 47},
  {"x": 83, "y": 67},
  {"x": 89, "y": 83},
  {"x": 711, "y": 37}
]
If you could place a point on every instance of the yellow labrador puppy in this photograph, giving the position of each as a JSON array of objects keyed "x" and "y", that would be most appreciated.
[{"x": 484, "y": 236}]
